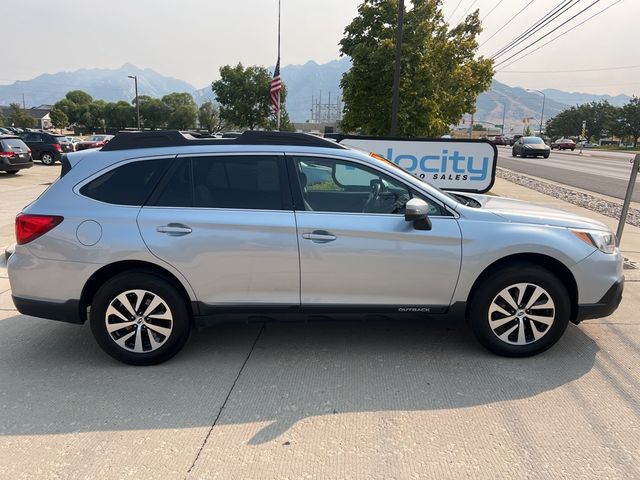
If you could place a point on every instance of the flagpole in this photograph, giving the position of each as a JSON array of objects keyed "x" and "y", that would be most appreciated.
[{"x": 279, "y": 110}]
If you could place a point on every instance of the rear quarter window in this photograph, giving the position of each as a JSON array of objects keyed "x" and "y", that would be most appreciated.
[{"x": 129, "y": 184}]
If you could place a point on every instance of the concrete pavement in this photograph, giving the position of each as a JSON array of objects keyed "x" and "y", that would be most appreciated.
[{"x": 347, "y": 400}]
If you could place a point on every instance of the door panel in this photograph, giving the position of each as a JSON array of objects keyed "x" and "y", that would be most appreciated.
[
  {"x": 228, "y": 256},
  {"x": 377, "y": 260}
]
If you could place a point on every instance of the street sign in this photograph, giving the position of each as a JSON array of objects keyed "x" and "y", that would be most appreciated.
[{"x": 450, "y": 164}]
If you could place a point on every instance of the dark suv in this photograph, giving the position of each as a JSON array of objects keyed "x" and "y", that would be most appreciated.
[
  {"x": 14, "y": 154},
  {"x": 46, "y": 147}
]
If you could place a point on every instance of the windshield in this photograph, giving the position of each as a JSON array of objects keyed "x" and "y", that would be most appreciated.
[
  {"x": 62, "y": 139},
  {"x": 9, "y": 144},
  {"x": 532, "y": 140},
  {"x": 95, "y": 138}
]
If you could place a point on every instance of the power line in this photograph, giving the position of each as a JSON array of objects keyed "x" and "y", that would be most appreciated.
[
  {"x": 558, "y": 10},
  {"x": 546, "y": 34},
  {"x": 454, "y": 11},
  {"x": 560, "y": 35},
  {"x": 604, "y": 69},
  {"x": 466, "y": 11},
  {"x": 490, "y": 11},
  {"x": 507, "y": 22}
]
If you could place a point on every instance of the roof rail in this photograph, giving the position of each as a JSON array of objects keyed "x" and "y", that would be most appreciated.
[{"x": 175, "y": 138}]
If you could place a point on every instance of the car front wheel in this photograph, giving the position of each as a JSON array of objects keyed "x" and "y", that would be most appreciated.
[
  {"x": 140, "y": 318},
  {"x": 520, "y": 311}
]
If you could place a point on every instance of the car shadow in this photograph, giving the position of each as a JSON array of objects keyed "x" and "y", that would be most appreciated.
[{"x": 56, "y": 380}]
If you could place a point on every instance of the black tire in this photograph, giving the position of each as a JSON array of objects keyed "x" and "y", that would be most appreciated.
[
  {"x": 546, "y": 155},
  {"x": 47, "y": 158},
  {"x": 155, "y": 285},
  {"x": 501, "y": 279},
  {"x": 513, "y": 153},
  {"x": 11, "y": 172}
]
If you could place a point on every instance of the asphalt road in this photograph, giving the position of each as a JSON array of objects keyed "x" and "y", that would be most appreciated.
[
  {"x": 336, "y": 400},
  {"x": 606, "y": 173}
]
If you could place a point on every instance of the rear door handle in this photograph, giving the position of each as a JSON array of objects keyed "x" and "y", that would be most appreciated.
[
  {"x": 319, "y": 236},
  {"x": 174, "y": 229}
]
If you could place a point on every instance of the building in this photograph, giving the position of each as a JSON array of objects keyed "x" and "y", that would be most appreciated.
[{"x": 40, "y": 114}]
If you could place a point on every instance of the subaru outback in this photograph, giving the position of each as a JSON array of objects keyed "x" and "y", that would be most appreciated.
[{"x": 158, "y": 231}]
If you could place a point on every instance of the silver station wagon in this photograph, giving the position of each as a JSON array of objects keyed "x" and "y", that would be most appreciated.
[{"x": 159, "y": 230}]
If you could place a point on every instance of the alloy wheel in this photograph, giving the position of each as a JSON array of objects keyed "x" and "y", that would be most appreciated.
[
  {"x": 139, "y": 321},
  {"x": 521, "y": 314}
]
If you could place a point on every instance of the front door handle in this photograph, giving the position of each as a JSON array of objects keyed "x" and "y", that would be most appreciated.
[
  {"x": 319, "y": 236},
  {"x": 174, "y": 229}
]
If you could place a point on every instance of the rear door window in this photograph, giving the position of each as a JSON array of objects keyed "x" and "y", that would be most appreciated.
[
  {"x": 237, "y": 182},
  {"x": 13, "y": 144},
  {"x": 129, "y": 184}
]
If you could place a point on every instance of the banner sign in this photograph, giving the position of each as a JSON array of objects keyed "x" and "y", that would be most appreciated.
[{"x": 464, "y": 165}]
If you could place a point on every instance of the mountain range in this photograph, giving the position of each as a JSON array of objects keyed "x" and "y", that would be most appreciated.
[{"x": 304, "y": 83}]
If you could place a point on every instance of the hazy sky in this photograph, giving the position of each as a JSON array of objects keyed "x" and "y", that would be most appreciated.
[{"x": 191, "y": 39}]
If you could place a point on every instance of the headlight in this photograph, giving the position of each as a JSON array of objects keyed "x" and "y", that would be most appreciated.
[{"x": 604, "y": 241}]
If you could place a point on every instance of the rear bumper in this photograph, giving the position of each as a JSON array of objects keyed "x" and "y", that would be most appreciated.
[
  {"x": 7, "y": 166},
  {"x": 603, "y": 308},
  {"x": 68, "y": 311}
]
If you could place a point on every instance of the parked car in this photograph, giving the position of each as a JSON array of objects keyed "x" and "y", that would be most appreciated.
[
  {"x": 564, "y": 144},
  {"x": 14, "y": 154},
  {"x": 530, "y": 147},
  {"x": 93, "y": 141},
  {"x": 585, "y": 144},
  {"x": 158, "y": 230},
  {"x": 5, "y": 131},
  {"x": 513, "y": 139},
  {"x": 46, "y": 147}
]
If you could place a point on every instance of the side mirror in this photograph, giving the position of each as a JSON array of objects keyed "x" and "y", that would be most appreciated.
[{"x": 417, "y": 211}]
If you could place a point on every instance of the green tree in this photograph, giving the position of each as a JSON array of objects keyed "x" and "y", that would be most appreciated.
[
  {"x": 20, "y": 118},
  {"x": 153, "y": 112},
  {"x": 441, "y": 76},
  {"x": 209, "y": 117},
  {"x": 59, "y": 119},
  {"x": 627, "y": 124},
  {"x": 243, "y": 94},
  {"x": 94, "y": 117},
  {"x": 597, "y": 115},
  {"x": 119, "y": 114},
  {"x": 181, "y": 109},
  {"x": 75, "y": 106},
  {"x": 3, "y": 120}
]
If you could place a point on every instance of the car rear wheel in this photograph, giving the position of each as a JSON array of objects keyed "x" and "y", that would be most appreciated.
[
  {"x": 520, "y": 311},
  {"x": 47, "y": 158},
  {"x": 11, "y": 172},
  {"x": 140, "y": 318}
]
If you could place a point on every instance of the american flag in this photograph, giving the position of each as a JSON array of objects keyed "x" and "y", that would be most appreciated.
[{"x": 276, "y": 86}]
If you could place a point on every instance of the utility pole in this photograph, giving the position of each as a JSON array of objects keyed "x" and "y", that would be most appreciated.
[
  {"x": 544, "y": 98},
  {"x": 504, "y": 114},
  {"x": 395, "y": 100},
  {"x": 24, "y": 105},
  {"x": 135, "y": 79}
]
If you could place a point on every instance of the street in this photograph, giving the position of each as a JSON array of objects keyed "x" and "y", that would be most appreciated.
[{"x": 606, "y": 173}]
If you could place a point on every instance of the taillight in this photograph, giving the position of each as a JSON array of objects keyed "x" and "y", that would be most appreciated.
[
  {"x": 58, "y": 147},
  {"x": 6, "y": 154},
  {"x": 99, "y": 144},
  {"x": 29, "y": 227}
]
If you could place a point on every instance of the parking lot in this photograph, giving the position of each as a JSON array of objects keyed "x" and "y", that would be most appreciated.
[{"x": 322, "y": 399}]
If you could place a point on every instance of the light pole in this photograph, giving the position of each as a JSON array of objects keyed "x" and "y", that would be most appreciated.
[
  {"x": 135, "y": 79},
  {"x": 504, "y": 110},
  {"x": 544, "y": 97},
  {"x": 395, "y": 99}
]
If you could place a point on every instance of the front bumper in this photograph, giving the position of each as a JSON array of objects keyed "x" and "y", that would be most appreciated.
[{"x": 604, "y": 307}]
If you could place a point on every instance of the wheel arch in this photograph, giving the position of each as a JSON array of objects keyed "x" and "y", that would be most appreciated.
[
  {"x": 99, "y": 277},
  {"x": 551, "y": 264}
]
